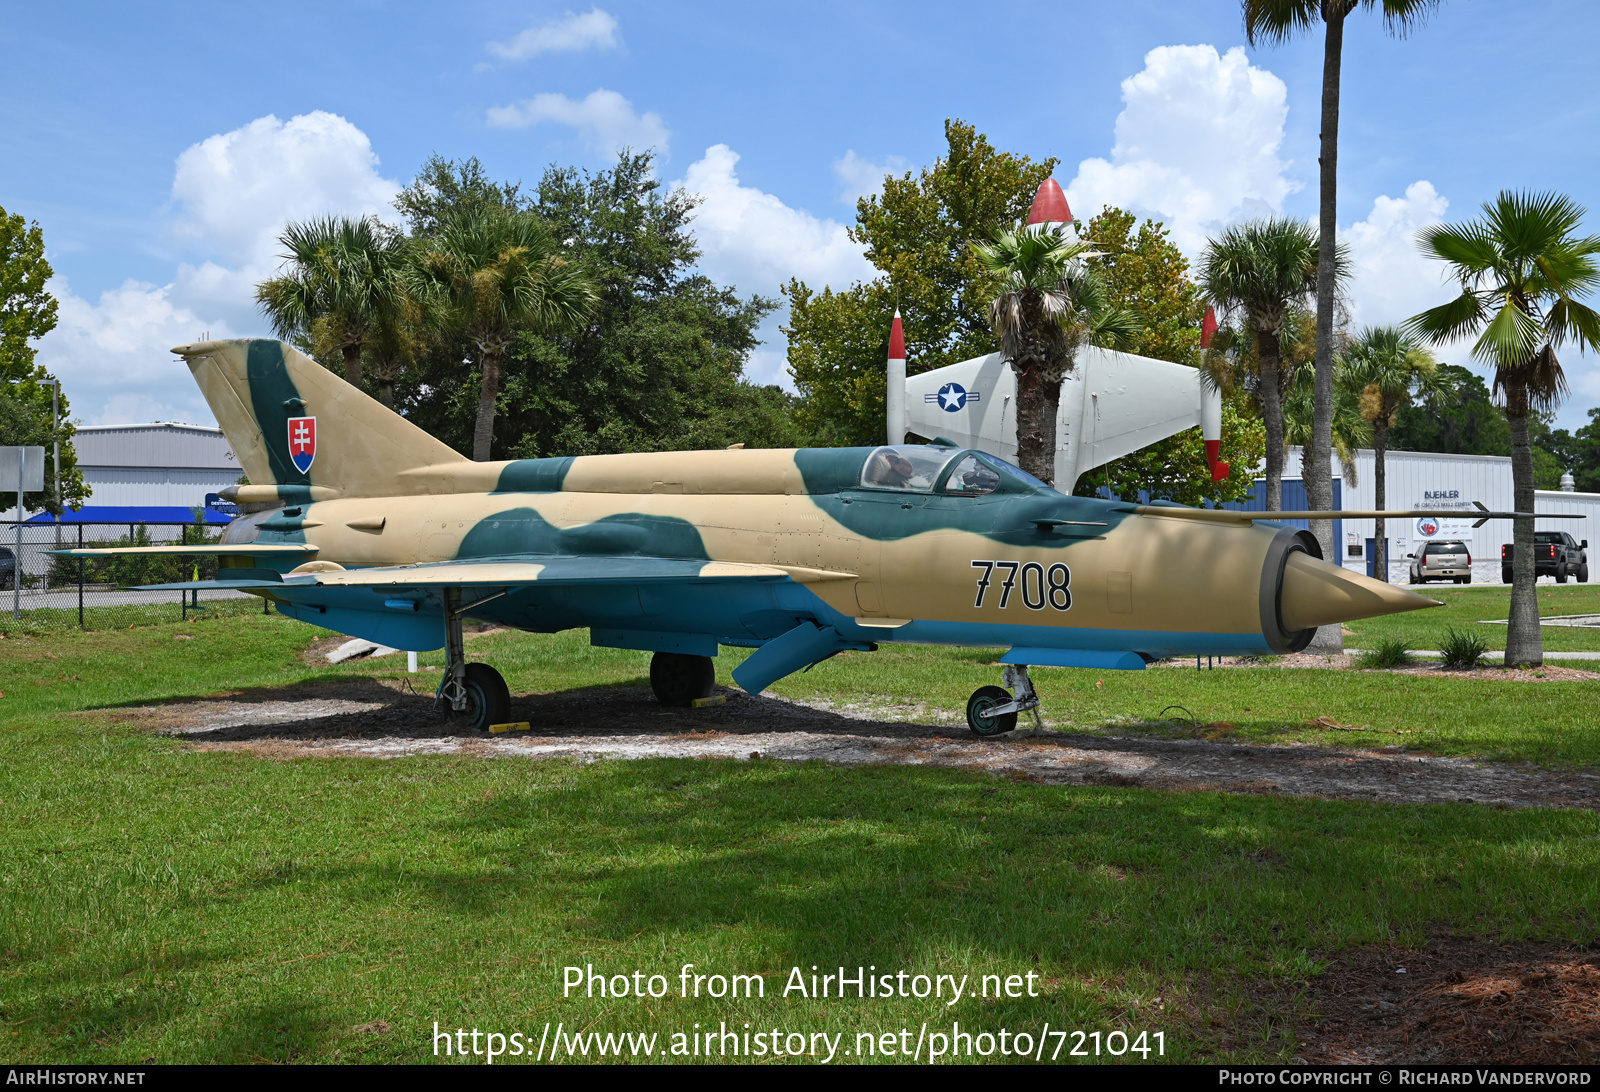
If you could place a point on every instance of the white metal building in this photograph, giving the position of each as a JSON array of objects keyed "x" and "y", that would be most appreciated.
[
  {"x": 164, "y": 463},
  {"x": 1423, "y": 480}
]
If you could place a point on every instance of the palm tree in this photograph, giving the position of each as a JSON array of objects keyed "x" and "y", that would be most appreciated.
[
  {"x": 489, "y": 275},
  {"x": 1261, "y": 273},
  {"x": 342, "y": 285},
  {"x": 1521, "y": 270},
  {"x": 1051, "y": 304},
  {"x": 1276, "y": 22},
  {"x": 397, "y": 332},
  {"x": 1350, "y": 430},
  {"x": 1382, "y": 371}
]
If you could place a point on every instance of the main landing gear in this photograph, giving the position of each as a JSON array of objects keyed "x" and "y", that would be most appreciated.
[
  {"x": 476, "y": 693},
  {"x": 992, "y": 710},
  {"x": 678, "y": 679}
]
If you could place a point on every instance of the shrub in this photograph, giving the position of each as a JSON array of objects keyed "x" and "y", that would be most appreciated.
[
  {"x": 1390, "y": 652},
  {"x": 1462, "y": 651}
]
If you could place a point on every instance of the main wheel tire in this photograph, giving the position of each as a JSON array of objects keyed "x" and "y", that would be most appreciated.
[
  {"x": 678, "y": 679},
  {"x": 1505, "y": 574},
  {"x": 1583, "y": 573},
  {"x": 1561, "y": 574},
  {"x": 488, "y": 700},
  {"x": 983, "y": 722},
  {"x": 1467, "y": 579}
]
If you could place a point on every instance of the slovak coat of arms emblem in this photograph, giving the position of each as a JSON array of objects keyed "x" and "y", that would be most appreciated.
[{"x": 302, "y": 442}]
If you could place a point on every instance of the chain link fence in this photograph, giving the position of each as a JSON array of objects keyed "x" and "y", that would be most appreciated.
[{"x": 39, "y": 589}]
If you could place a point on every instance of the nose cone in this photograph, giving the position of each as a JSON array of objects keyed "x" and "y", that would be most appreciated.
[
  {"x": 1315, "y": 593},
  {"x": 1049, "y": 205}
]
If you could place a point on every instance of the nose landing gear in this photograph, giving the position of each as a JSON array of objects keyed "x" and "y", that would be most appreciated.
[
  {"x": 476, "y": 693},
  {"x": 993, "y": 710}
]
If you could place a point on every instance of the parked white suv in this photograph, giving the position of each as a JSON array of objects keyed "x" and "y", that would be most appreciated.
[{"x": 1444, "y": 559}]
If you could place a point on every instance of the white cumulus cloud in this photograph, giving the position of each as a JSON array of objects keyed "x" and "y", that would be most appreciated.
[
  {"x": 238, "y": 189},
  {"x": 571, "y": 33},
  {"x": 751, "y": 239},
  {"x": 861, "y": 177},
  {"x": 233, "y": 194},
  {"x": 1390, "y": 278},
  {"x": 605, "y": 121},
  {"x": 111, "y": 354},
  {"x": 1196, "y": 144}
]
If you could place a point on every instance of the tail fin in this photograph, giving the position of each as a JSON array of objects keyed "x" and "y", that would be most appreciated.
[{"x": 351, "y": 445}]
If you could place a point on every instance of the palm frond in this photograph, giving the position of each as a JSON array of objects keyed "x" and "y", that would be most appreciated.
[
  {"x": 1275, "y": 22},
  {"x": 1261, "y": 269},
  {"x": 1510, "y": 337},
  {"x": 1114, "y": 328},
  {"x": 1469, "y": 247},
  {"x": 1448, "y": 321},
  {"x": 1384, "y": 368},
  {"x": 1401, "y": 17},
  {"x": 1571, "y": 319}
]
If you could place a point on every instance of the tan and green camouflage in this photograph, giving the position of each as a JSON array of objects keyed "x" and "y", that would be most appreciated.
[{"x": 785, "y": 551}]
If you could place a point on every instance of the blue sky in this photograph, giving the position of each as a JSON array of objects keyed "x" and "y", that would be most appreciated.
[{"x": 163, "y": 146}]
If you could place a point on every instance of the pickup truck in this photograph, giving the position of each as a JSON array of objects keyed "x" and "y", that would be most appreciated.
[{"x": 1555, "y": 553}]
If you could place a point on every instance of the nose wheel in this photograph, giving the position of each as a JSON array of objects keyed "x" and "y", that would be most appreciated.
[
  {"x": 475, "y": 693},
  {"x": 488, "y": 700},
  {"x": 992, "y": 710}
]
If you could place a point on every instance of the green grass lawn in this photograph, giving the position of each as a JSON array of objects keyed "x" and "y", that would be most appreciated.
[
  {"x": 159, "y": 902},
  {"x": 1466, "y": 607}
]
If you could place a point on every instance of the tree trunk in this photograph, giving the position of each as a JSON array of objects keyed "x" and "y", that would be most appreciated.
[
  {"x": 1050, "y": 422},
  {"x": 488, "y": 396},
  {"x": 352, "y": 365},
  {"x": 1319, "y": 482},
  {"x": 1380, "y": 542},
  {"x": 385, "y": 369},
  {"x": 1271, "y": 397},
  {"x": 1032, "y": 454},
  {"x": 1524, "y": 643}
]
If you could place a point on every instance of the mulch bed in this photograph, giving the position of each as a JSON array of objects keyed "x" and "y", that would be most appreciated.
[{"x": 1458, "y": 1002}]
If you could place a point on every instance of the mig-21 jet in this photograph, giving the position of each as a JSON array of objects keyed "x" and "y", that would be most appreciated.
[{"x": 358, "y": 521}]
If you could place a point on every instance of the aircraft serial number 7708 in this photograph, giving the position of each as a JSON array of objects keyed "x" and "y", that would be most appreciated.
[{"x": 360, "y": 522}]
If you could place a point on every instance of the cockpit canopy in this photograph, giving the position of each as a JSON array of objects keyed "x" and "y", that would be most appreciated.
[{"x": 919, "y": 468}]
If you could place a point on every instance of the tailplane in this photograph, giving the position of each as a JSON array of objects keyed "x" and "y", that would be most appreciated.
[{"x": 296, "y": 426}]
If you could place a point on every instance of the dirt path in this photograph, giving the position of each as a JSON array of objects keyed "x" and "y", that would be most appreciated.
[{"x": 370, "y": 718}]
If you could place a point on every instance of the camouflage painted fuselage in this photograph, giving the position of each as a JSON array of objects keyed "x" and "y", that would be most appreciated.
[
  {"x": 874, "y": 564},
  {"x": 686, "y": 551}
]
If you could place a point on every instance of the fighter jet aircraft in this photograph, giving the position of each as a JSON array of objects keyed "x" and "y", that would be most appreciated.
[{"x": 361, "y": 522}]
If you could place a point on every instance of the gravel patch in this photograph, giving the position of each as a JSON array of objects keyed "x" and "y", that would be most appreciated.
[{"x": 379, "y": 719}]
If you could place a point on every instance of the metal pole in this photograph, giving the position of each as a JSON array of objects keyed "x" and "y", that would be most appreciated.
[
  {"x": 55, "y": 440},
  {"x": 55, "y": 436},
  {"x": 16, "y": 570},
  {"x": 80, "y": 578}
]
